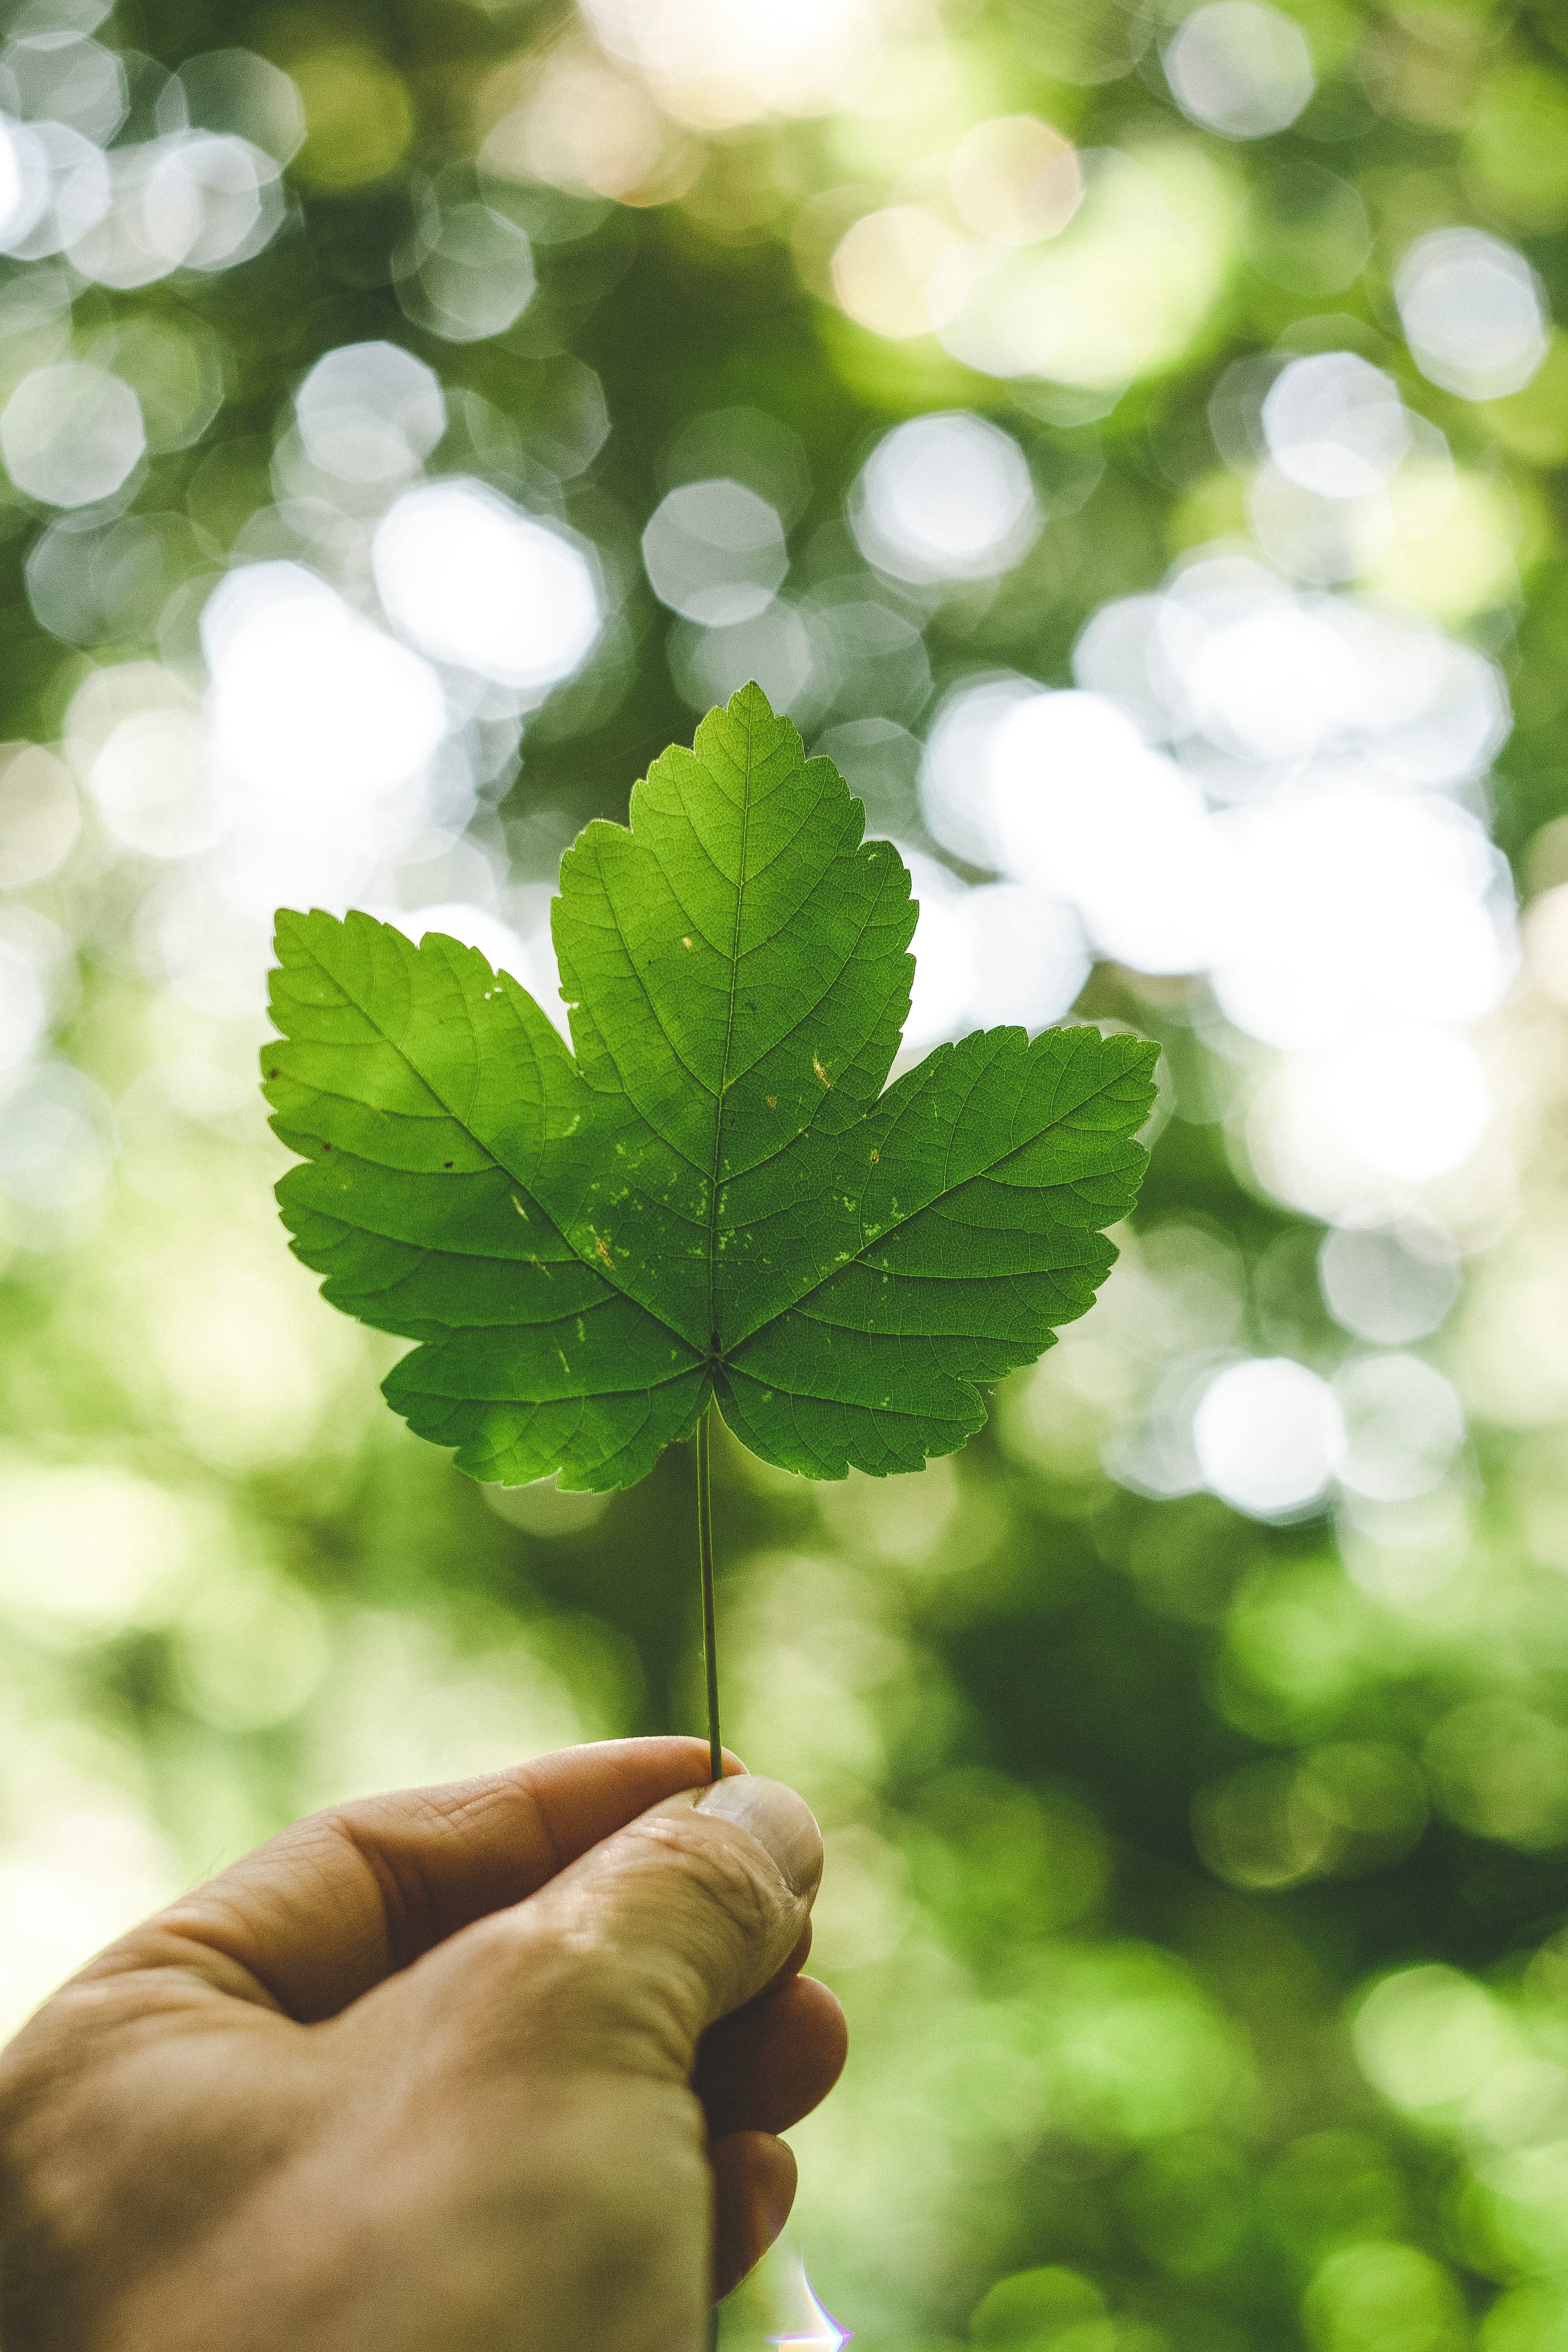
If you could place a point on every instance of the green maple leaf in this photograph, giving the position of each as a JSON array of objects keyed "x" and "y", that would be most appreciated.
[{"x": 714, "y": 1199}]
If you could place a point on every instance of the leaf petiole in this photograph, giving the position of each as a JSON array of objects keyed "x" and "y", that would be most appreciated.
[{"x": 705, "y": 1549}]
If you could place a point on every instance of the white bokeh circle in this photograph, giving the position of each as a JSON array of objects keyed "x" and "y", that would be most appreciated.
[
  {"x": 477, "y": 583},
  {"x": 71, "y": 434}
]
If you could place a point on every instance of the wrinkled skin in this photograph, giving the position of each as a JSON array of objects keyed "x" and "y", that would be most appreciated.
[{"x": 499, "y": 2064}]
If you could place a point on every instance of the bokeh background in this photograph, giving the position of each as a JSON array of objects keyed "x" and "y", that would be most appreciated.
[{"x": 1126, "y": 439}]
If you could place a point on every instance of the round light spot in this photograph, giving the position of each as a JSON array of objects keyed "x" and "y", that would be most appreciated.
[
  {"x": 230, "y": 188},
  {"x": 1386, "y": 2296},
  {"x": 69, "y": 188},
  {"x": 473, "y": 279},
  {"x": 776, "y": 648},
  {"x": 1276, "y": 683},
  {"x": 1015, "y": 180},
  {"x": 1028, "y": 953},
  {"x": 1404, "y": 1426},
  {"x": 1240, "y": 69},
  {"x": 1121, "y": 293},
  {"x": 369, "y": 412},
  {"x": 900, "y": 272},
  {"x": 1473, "y": 313},
  {"x": 715, "y": 551},
  {"x": 155, "y": 218},
  {"x": 71, "y": 434},
  {"x": 91, "y": 1549},
  {"x": 1252, "y": 1828},
  {"x": 945, "y": 496},
  {"x": 954, "y": 800},
  {"x": 1081, "y": 807},
  {"x": 1410, "y": 1098},
  {"x": 1400, "y": 886},
  {"x": 1499, "y": 1769},
  {"x": 1427, "y": 2035},
  {"x": 148, "y": 783},
  {"x": 249, "y": 1652},
  {"x": 234, "y": 90},
  {"x": 877, "y": 656},
  {"x": 475, "y": 582},
  {"x": 57, "y": 1144},
  {"x": 315, "y": 714},
  {"x": 1268, "y": 1433},
  {"x": 59, "y": 76},
  {"x": 90, "y": 582},
  {"x": 359, "y": 117},
  {"x": 1036, "y": 2307},
  {"x": 1382, "y": 1287},
  {"x": 175, "y": 369},
  {"x": 1336, "y": 424}
]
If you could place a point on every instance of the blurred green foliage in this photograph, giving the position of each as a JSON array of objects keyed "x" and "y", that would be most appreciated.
[{"x": 1195, "y": 1882}]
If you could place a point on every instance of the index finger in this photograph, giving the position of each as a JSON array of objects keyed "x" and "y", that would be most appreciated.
[{"x": 331, "y": 1907}]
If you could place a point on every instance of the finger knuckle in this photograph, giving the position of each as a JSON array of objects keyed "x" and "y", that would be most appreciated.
[
  {"x": 630, "y": 1974},
  {"x": 634, "y": 2006},
  {"x": 724, "y": 1879}
]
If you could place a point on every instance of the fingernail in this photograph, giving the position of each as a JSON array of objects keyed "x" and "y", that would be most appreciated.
[{"x": 777, "y": 1819}]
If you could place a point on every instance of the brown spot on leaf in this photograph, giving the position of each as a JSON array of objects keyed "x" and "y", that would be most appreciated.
[
  {"x": 448, "y": 1163},
  {"x": 272, "y": 1074},
  {"x": 773, "y": 1102},
  {"x": 601, "y": 1250},
  {"x": 875, "y": 1157},
  {"x": 822, "y": 1078}
]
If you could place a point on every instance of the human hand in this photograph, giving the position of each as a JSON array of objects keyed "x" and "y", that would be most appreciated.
[{"x": 492, "y": 2067}]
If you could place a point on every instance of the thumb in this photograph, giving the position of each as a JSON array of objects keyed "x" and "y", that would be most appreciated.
[{"x": 624, "y": 1961}]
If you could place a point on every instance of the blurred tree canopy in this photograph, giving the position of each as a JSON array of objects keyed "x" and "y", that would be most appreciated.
[{"x": 1129, "y": 440}]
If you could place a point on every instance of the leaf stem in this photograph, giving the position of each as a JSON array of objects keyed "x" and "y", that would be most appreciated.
[{"x": 705, "y": 1549}]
